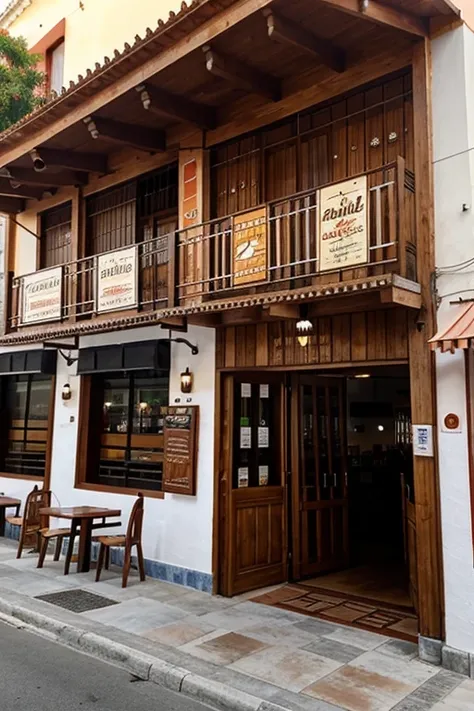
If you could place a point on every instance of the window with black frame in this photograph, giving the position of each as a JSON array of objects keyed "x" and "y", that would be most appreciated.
[
  {"x": 126, "y": 429},
  {"x": 26, "y": 413}
]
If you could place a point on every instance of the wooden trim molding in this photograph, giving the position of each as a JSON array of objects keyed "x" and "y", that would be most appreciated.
[
  {"x": 25, "y": 477},
  {"x": 469, "y": 380},
  {"x": 118, "y": 490}
]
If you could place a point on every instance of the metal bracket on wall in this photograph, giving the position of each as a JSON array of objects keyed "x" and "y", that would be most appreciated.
[
  {"x": 194, "y": 349},
  {"x": 60, "y": 347}
]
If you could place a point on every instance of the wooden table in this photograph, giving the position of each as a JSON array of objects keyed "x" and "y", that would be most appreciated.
[
  {"x": 5, "y": 503},
  {"x": 82, "y": 517}
]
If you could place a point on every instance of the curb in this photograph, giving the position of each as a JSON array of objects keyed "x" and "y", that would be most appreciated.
[{"x": 143, "y": 666}]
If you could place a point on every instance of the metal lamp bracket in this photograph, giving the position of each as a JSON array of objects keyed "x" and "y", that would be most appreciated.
[{"x": 194, "y": 349}]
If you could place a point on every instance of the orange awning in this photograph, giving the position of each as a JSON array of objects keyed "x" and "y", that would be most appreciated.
[{"x": 459, "y": 333}]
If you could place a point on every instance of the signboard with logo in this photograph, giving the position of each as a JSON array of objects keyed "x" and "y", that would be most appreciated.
[
  {"x": 343, "y": 219},
  {"x": 41, "y": 296},
  {"x": 117, "y": 280},
  {"x": 190, "y": 193},
  {"x": 250, "y": 246}
]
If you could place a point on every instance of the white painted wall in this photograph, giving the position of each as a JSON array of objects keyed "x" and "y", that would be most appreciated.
[
  {"x": 453, "y": 136},
  {"x": 177, "y": 529}
]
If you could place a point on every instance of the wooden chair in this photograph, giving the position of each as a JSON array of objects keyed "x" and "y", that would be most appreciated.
[
  {"x": 31, "y": 521},
  {"x": 132, "y": 538}
]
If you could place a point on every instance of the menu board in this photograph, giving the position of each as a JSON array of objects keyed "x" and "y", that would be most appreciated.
[
  {"x": 180, "y": 457},
  {"x": 117, "y": 280},
  {"x": 41, "y": 296},
  {"x": 250, "y": 246}
]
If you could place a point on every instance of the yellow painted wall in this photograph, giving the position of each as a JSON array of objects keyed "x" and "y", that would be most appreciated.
[{"x": 95, "y": 31}]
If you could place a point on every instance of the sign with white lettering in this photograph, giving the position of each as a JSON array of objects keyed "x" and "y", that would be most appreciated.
[
  {"x": 250, "y": 246},
  {"x": 42, "y": 296},
  {"x": 117, "y": 280},
  {"x": 343, "y": 219}
]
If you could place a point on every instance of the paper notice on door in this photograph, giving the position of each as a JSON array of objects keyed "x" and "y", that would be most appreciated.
[
  {"x": 264, "y": 391},
  {"x": 243, "y": 477},
  {"x": 245, "y": 438},
  {"x": 263, "y": 437},
  {"x": 246, "y": 390},
  {"x": 263, "y": 475}
]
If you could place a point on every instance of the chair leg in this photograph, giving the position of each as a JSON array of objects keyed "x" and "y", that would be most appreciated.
[
  {"x": 57, "y": 550},
  {"x": 20, "y": 544},
  {"x": 141, "y": 562},
  {"x": 70, "y": 550},
  {"x": 100, "y": 562},
  {"x": 43, "y": 550},
  {"x": 107, "y": 557},
  {"x": 126, "y": 566}
]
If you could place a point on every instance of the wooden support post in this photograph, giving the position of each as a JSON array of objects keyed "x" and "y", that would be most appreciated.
[{"x": 421, "y": 359}]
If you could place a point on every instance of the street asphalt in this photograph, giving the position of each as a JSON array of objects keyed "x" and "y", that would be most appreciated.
[{"x": 39, "y": 675}]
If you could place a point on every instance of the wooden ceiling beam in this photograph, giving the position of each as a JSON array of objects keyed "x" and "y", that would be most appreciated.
[
  {"x": 282, "y": 30},
  {"x": 446, "y": 7},
  {"x": 44, "y": 158},
  {"x": 22, "y": 191},
  {"x": 146, "y": 139},
  {"x": 163, "y": 104},
  {"x": 282, "y": 311},
  {"x": 24, "y": 176},
  {"x": 382, "y": 15},
  {"x": 11, "y": 205},
  {"x": 241, "y": 75}
]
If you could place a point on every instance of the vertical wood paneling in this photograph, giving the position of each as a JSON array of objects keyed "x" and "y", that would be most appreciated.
[
  {"x": 261, "y": 354},
  {"x": 359, "y": 337},
  {"x": 341, "y": 336},
  {"x": 275, "y": 345},
  {"x": 240, "y": 346},
  {"x": 230, "y": 361},
  {"x": 325, "y": 340}
]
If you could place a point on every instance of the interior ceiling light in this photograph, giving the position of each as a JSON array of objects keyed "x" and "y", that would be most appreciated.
[{"x": 362, "y": 375}]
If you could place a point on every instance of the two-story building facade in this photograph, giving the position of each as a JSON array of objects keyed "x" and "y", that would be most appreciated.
[{"x": 242, "y": 197}]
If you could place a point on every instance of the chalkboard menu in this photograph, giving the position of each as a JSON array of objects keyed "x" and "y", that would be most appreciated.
[{"x": 181, "y": 438}]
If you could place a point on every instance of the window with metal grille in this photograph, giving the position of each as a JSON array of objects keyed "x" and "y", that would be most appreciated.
[
  {"x": 111, "y": 218},
  {"x": 158, "y": 191},
  {"x": 56, "y": 236},
  {"x": 26, "y": 412}
]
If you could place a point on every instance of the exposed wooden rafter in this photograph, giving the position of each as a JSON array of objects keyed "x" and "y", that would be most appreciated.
[
  {"x": 44, "y": 158},
  {"x": 45, "y": 178},
  {"x": 446, "y": 7},
  {"x": 141, "y": 137},
  {"x": 285, "y": 31},
  {"x": 382, "y": 15},
  {"x": 22, "y": 191},
  {"x": 241, "y": 75},
  {"x": 11, "y": 204},
  {"x": 163, "y": 104}
]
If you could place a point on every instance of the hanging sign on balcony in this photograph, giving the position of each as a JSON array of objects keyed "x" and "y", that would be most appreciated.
[
  {"x": 41, "y": 296},
  {"x": 343, "y": 219},
  {"x": 117, "y": 280},
  {"x": 250, "y": 246}
]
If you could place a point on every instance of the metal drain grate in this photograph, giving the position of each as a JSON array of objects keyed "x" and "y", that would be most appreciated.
[{"x": 77, "y": 600}]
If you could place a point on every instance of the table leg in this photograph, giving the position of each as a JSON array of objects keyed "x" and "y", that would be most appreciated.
[
  {"x": 74, "y": 524},
  {"x": 85, "y": 541},
  {"x": 2, "y": 521}
]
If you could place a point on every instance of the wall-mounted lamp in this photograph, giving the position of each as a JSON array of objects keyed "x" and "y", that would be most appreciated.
[
  {"x": 186, "y": 381},
  {"x": 304, "y": 327},
  {"x": 66, "y": 392}
]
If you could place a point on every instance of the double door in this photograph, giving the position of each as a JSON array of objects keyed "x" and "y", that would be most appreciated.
[{"x": 283, "y": 482}]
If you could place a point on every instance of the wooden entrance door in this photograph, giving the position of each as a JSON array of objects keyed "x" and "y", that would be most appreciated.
[
  {"x": 409, "y": 539},
  {"x": 253, "y": 487},
  {"x": 319, "y": 476}
]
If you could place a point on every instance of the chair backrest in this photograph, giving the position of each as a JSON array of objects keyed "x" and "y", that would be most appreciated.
[
  {"x": 135, "y": 522},
  {"x": 36, "y": 500}
]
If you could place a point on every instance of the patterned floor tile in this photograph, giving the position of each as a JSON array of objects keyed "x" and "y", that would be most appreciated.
[
  {"x": 226, "y": 648},
  {"x": 178, "y": 633},
  {"x": 333, "y": 650}
]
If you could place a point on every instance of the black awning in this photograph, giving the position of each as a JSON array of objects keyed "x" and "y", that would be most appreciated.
[
  {"x": 28, "y": 362},
  {"x": 144, "y": 355}
]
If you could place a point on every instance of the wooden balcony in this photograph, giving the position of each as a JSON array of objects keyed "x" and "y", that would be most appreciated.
[{"x": 343, "y": 233}]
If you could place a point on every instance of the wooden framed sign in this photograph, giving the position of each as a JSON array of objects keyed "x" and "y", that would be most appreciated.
[
  {"x": 117, "y": 280},
  {"x": 343, "y": 220},
  {"x": 249, "y": 256},
  {"x": 181, "y": 449},
  {"x": 42, "y": 296}
]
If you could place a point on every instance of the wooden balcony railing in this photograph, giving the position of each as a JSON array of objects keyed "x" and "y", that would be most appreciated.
[
  {"x": 284, "y": 239},
  {"x": 353, "y": 229}
]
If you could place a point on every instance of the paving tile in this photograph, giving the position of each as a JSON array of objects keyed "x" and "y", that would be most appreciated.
[
  {"x": 356, "y": 638},
  {"x": 317, "y": 627},
  {"x": 411, "y": 672},
  {"x": 287, "y": 635},
  {"x": 429, "y": 693},
  {"x": 247, "y": 615},
  {"x": 359, "y": 690},
  {"x": 333, "y": 650},
  {"x": 179, "y": 633},
  {"x": 136, "y": 615},
  {"x": 399, "y": 648},
  {"x": 461, "y": 699},
  {"x": 227, "y": 648},
  {"x": 291, "y": 669},
  {"x": 199, "y": 603}
]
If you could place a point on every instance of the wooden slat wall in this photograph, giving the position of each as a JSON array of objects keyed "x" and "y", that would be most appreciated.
[
  {"x": 345, "y": 339},
  {"x": 363, "y": 131}
]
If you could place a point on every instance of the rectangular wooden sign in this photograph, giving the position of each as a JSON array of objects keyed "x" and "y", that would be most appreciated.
[
  {"x": 190, "y": 193},
  {"x": 42, "y": 296},
  {"x": 250, "y": 246},
  {"x": 343, "y": 220},
  {"x": 181, "y": 449}
]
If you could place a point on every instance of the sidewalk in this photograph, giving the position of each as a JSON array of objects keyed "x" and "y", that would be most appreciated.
[{"x": 230, "y": 653}]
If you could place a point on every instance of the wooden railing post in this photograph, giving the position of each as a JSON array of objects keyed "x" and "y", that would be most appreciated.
[
  {"x": 173, "y": 259},
  {"x": 401, "y": 222}
]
